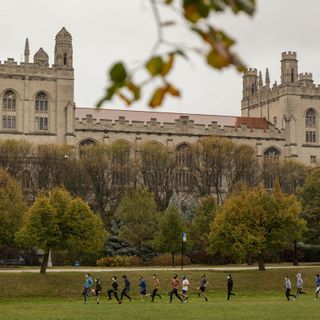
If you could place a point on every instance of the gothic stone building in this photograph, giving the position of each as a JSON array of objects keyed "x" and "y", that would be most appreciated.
[{"x": 37, "y": 105}]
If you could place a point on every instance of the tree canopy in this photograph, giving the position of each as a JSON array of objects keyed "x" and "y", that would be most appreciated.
[
  {"x": 254, "y": 222},
  {"x": 60, "y": 222}
]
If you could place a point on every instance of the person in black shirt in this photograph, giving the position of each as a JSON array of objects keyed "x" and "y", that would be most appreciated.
[
  {"x": 230, "y": 286},
  {"x": 114, "y": 289},
  {"x": 97, "y": 289},
  {"x": 126, "y": 289}
]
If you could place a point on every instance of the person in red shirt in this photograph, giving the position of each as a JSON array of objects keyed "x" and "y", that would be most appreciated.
[{"x": 175, "y": 286}]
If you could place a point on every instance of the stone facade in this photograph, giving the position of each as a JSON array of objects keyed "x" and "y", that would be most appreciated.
[
  {"x": 37, "y": 100},
  {"x": 37, "y": 105},
  {"x": 293, "y": 106}
]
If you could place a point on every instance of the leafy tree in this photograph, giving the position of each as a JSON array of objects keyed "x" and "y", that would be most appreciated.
[
  {"x": 212, "y": 159},
  {"x": 158, "y": 167},
  {"x": 138, "y": 215},
  {"x": 215, "y": 48},
  {"x": 12, "y": 207},
  {"x": 200, "y": 228},
  {"x": 310, "y": 198},
  {"x": 169, "y": 236},
  {"x": 255, "y": 222},
  {"x": 59, "y": 222}
]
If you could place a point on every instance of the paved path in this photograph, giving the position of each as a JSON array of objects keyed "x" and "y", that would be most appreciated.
[{"x": 200, "y": 268}]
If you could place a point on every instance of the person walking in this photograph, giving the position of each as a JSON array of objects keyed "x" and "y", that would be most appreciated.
[
  {"x": 87, "y": 287},
  {"x": 97, "y": 289},
  {"x": 299, "y": 285},
  {"x": 230, "y": 286},
  {"x": 185, "y": 288},
  {"x": 175, "y": 287},
  {"x": 114, "y": 289},
  {"x": 317, "y": 286},
  {"x": 202, "y": 287},
  {"x": 143, "y": 288},
  {"x": 287, "y": 285},
  {"x": 126, "y": 289},
  {"x": 155, "y": 285}
]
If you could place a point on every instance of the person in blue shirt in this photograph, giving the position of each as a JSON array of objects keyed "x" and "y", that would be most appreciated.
[
  {"x": 143, "y": 288},
  {"x": 87, "y": 287},
  {"x": 317, "y": 285}
]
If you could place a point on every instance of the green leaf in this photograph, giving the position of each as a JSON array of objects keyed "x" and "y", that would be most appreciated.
[
  {"x": 155, "y": 65},
  {"x": 118, "y": 72}
]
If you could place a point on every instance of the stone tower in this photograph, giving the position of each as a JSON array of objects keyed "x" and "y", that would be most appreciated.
[
  {"x": 250, "y": 79},
  {"x": 63, "y": 53},
  {"x": 293, "y": 106},
  {"x": 36, "y": 98},
  {"x": 289, "y": 67}
]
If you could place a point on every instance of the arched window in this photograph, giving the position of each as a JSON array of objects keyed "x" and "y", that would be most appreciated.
[
  {"x": 271, "y": 153},
  {"x": 84, "y": 147},
  {"x": 41, "y": 112},
  {"x": 121, "y": 163},
  {"x": 270, "y": 166},
  {"x": 183, "y": 162},
  {"x": 310, "y": 122},
  {"x": 9, "y": 109},
  {"x": 310, "y": 119},
  {"x": 65, "y": 59}
]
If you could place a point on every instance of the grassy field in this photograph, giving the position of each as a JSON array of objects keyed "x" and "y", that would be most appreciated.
[{"x": 58, "y": 296}]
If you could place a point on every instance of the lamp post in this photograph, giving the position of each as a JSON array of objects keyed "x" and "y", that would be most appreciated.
[{"x": 184, "y": 239}]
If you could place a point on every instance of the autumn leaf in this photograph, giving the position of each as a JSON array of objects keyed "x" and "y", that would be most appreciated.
[
  {"x": 157, "y": 97},
  {"x": 155, "y": 65}
]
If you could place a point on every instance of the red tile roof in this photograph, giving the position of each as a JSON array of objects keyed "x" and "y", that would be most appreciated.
[{"x": 170, "y": 117}]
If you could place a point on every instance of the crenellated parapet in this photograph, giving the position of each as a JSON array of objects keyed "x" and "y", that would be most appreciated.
[{"x": 181, "y": 126}]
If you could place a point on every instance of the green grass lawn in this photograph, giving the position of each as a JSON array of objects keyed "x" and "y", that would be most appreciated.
[
  {"x": 261, "y": 307},
  {"x": 58, "y": 296}
]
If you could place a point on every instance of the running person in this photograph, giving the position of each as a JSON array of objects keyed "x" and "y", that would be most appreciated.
[
  {"x": 175, "y": 286},
  {"x": 317, "y": 285},
  {"x": 87, "y": 287},
  {"x": 155, "y": 285},
  {"x": 287, "y": 285},
  {"x": 126, "y": 289},
  {"x": 202, "y": 287},
  {"x": 230, "y": 286},
  {"x": 143, "y": 288},
  {"x": 97, "y": 289},
  {"x": 114, "y": 289},
  {"x": 299, "y": 285},
  {"x": 185, "y": 288}
]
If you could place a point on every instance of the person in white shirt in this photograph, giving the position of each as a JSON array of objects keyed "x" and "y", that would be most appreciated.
[
  {"x": 185, "y": 288},
  {"x": 299, "y": 285}
]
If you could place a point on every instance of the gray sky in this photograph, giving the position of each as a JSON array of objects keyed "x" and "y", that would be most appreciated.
[{"x": 105, "y": 31}]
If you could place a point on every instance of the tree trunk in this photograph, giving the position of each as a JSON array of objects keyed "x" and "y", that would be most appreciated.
[
  {"x": 172, "y": 258},
  {"x": 44, "y": 263},
  {"x": 250, "y": 260},
  {"x": 261, "y": 262},
  {"x": 295, "y": 261}
]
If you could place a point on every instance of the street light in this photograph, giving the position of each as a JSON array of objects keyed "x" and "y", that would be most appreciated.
[{"x": 184, "y": 239}]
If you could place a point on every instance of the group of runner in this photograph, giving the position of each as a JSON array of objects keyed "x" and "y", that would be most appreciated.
[
  {"x": 95, "y": 287},
  {"x": 299, "y": 283}
]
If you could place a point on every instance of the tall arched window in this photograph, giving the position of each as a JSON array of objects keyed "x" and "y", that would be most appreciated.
[
  {"x": 292, "y": 75},
  {"x": 270, "y": 166},
  {"x": 41, "y": 112},
  {"x": 310, "y": 122},
  {"x": 183, "y": 161},
  {"x": 9, "y": 109}
]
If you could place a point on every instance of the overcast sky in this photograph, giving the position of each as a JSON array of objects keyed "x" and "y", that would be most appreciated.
[{"x": 105, "y": 31}]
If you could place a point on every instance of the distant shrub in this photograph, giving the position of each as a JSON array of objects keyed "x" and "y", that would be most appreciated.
[
  {"x": 166, "y": 260},
  {"x": 119, "y": 261}
]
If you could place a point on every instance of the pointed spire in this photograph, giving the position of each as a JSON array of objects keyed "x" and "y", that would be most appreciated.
[
  {"x": 26, "y": 51},
  {"x": 260, "y": 80},
  {"x": 267, "y": 77}
]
